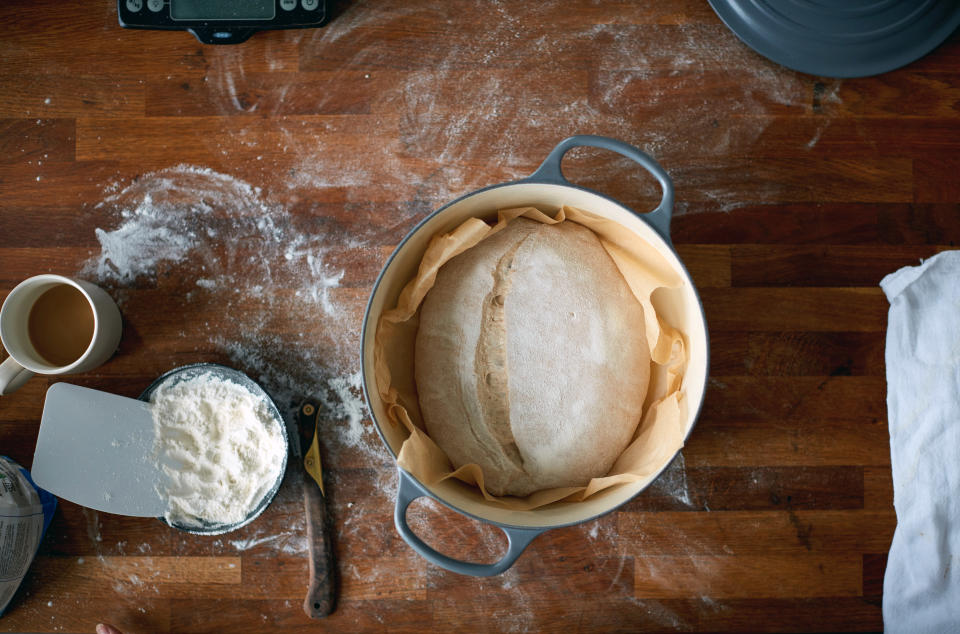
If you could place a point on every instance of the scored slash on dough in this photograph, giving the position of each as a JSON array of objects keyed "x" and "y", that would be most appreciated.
[{"x": 490, "y": 364}]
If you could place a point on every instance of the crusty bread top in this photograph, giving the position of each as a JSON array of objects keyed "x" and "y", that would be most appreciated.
[{"x": 531, "y": 359}]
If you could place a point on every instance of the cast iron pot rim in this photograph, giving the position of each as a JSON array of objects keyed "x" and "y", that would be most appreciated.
[{"x": 366, "y": 325}]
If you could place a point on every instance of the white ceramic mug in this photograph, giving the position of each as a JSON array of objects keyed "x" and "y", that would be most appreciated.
[{"x": 25, "y": 360}]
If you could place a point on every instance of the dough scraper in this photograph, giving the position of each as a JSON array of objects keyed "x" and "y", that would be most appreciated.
[{"x": 95, "y": 449}]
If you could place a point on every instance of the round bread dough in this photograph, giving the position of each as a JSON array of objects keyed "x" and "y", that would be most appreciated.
[{"x": 531, "y": 359}]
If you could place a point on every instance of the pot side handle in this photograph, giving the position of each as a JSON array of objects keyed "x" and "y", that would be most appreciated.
[
  {"x": 517, "y": 538},
  {"x": 551, "y": 172}
]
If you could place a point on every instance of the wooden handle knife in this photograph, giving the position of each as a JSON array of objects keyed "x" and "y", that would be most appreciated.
[{"x": 321, "y": 593}]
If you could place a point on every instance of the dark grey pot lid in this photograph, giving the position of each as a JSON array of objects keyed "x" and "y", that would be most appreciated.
[{"x": 841, "y": 38}]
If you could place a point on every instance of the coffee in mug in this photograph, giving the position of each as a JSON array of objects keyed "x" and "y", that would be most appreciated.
[
  {"x": 50, "y": 324},
  {"x": 60, "y": 324}
]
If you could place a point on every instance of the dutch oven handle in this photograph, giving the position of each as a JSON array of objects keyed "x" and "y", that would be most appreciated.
[
  {"x": 550, "y": 172},
  {"x": 517, "y": 538}
]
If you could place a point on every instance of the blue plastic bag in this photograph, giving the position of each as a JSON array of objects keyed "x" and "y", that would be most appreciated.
[{"x": 25, "y": 514}]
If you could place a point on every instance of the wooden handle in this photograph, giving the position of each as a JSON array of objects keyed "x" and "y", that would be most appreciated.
[
  {"x": 321, "y": 593},
  {"x": 321, "y": 590}
]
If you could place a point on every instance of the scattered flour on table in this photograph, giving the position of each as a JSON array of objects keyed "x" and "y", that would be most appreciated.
[
  {"x": 435, "y": 132},
  {"x": 219, "y": 448},
  {"x": 673, "y": 482},
  {"x": 140, "y": 244},
  {"x": 450, "y": 118},
  {"x": 291, "y": 543},
  {"x": 232, "y": 252}
]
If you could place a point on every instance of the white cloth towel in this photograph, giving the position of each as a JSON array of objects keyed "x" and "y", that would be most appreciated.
[{"x": 921, "y": 587}]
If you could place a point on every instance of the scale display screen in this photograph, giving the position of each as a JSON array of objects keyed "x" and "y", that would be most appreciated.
[{"x": 222, "y": 9}]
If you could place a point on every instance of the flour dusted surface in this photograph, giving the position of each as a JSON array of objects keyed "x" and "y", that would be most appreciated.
[
  {"x": 202, "y": 224},
  {"x": 220, "y": 450}
]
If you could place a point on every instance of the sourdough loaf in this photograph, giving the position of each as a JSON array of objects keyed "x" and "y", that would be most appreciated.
[{"x": 531, "y": 359}]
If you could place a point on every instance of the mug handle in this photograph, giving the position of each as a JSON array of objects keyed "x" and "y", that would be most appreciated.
[
  {"x": 550, "y": 172},
  {"x": 12, "y": 376},
  {"x": 517, "y": 538}
]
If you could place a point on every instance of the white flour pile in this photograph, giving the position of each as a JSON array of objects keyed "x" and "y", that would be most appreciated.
[{"x": 220, "y": 450}]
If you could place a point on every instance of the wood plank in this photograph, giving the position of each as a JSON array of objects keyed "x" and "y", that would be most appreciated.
[
  {"x": 197, "y": 616},
  {"x": 707, "y": 614},
  {"x": 92, "y": 576},
  {"x": 877, "y": 488},
  {"x": 407, "y": 43},
  {"x": 682, "y": 12},
  {"x": 698, "y": 614},
  {"x": 70, "y": 95},
  {"x": 99, "y": 138},
  {"x": 738, "y": 221},
  {"x": 759, "y": 131},
  {"x": 361, "y": 579},
  {"x": 754, "y": 533},
  {"x": 353, "y": 92},
  {"x": 739, "y": 353},
  {"x": 874, "y": 567},
  {"x": 786, "y": 615},
  {"x": 795, "y": 309},
  {"x": 76, "y": 185},
  {"x": 535, "y": 586},
  {"x": 447, "y": 161},
  {"x": 205, "y": 577},
  {"x": 37, "y": 610},
  {"x": 906, "y": 94},
  {"x": 841, "y": 137},
  {"x": 708, "y": 265},
  {"x": 21, "y": 227},
  {"x": 21, "y": 263},
  {"x": 265, "y": 94},
  {"x": 763, "y": 265},
  {"x": 251, "y": 148},
  {"x": 770, "y": 576},
  {"x": 752, "y": 488},
  {"x": 795, "y": 399},
  {"x": 35, "y": 141},
  {"x": 785, "y": 442},
  {"x": 935, "y": 178},
  {"x": 737, "y": 180},
  {"x": 743, "y": 181},
  {"x": 350, "y": 300},
  {"x": 713, "y": 98},
  {"x": 20, "y": 437},
  {"x": 607, "y": 40},
  {"x": 26, "y": 404}
]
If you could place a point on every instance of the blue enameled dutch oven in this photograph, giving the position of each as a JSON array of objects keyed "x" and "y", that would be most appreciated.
[{"x": 548, "y": 190}]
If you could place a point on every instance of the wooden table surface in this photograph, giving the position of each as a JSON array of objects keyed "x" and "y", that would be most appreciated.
[{"x": 239, "y": 201}]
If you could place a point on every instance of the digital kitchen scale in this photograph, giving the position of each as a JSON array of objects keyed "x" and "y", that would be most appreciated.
[{"x": 221, "y": 21}]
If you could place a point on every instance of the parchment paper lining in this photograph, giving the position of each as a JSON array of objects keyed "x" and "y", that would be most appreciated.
[{"x": 661, "y": 431}]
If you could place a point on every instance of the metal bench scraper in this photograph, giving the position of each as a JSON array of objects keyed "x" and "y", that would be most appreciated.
[{"x": 96, "y": 449}]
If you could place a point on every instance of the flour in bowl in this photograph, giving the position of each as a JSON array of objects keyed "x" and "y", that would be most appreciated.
[{"x": 220, "y": 449}]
